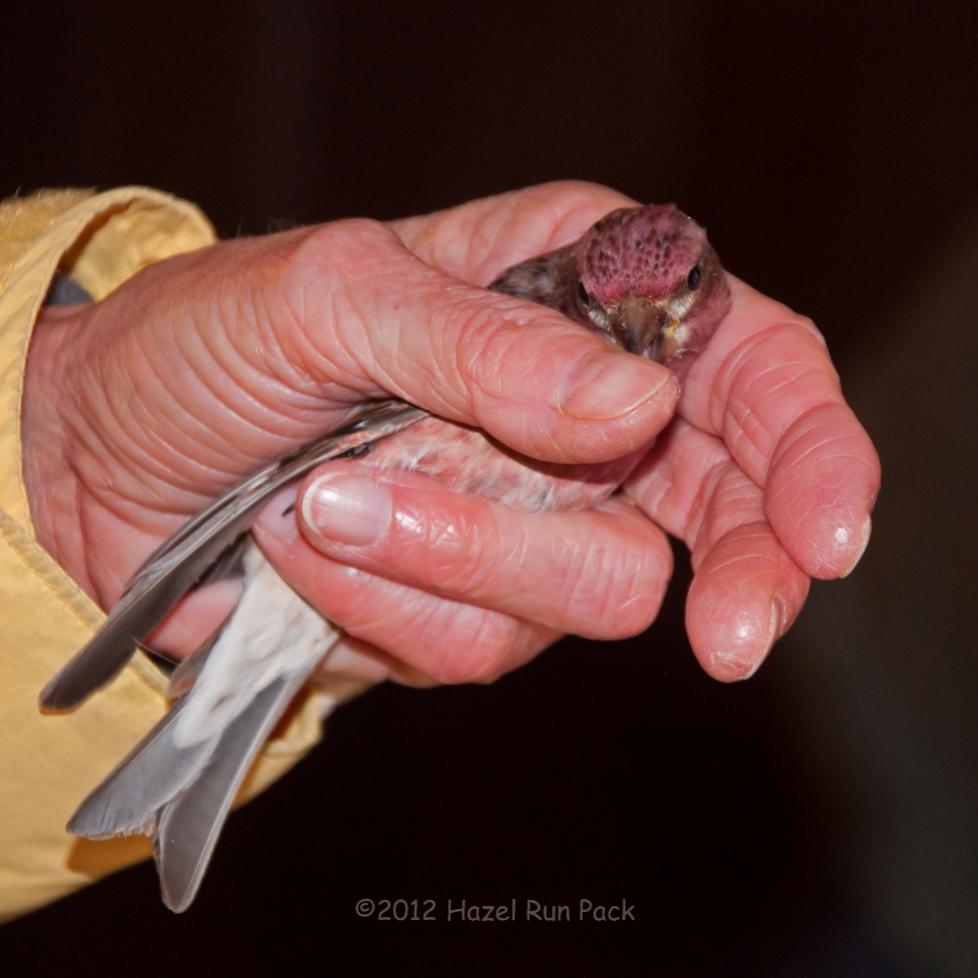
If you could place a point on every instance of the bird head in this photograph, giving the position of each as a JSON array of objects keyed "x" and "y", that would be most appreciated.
[{"x": 649, "y": 280}]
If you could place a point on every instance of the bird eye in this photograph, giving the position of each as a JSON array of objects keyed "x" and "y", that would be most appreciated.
[
  {"x": 693, "y": 281},
  {"x": 582, "y": 294}
]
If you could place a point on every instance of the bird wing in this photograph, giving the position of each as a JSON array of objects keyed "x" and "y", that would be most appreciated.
[{"x": 183, "y": 558}]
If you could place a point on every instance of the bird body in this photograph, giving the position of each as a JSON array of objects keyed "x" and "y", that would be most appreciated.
[{"x": 644, "y": 277}]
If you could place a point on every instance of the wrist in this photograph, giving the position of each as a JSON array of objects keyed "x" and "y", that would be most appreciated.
[{"x": 50, "y": 479}]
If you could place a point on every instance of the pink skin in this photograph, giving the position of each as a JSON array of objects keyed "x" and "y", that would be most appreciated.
[{"x": 768, "y": 476}]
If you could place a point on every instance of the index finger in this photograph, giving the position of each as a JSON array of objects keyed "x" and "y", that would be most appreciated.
[{"x": 765, "y": 384}]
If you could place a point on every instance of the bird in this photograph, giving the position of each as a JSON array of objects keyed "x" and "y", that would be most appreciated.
[{"x": 644, "y": 277}]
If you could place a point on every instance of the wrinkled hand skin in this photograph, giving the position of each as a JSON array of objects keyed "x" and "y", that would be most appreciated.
[{"x": 202, "y": 367}]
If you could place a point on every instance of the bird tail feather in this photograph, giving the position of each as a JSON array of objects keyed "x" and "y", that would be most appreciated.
[
  {"x": 180, "y": 795},
  {"x": 188, "y": 826}
]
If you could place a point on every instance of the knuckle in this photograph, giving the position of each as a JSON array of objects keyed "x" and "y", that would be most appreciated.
[
  {"x": 783, "y": 340},
  {"x": 783, "y": 359},
  {"x": 338, "y": 241},
  {"x": 333, "y": 258},
  {"x": 585, "y": 195},
  {"x": 327, "y": 270},
  {"x": 464, "y": 548},
  {"x": 730, "y": 500},
  {"x": 807, "y": 325}
]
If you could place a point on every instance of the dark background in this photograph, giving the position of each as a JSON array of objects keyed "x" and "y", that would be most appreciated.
[{"x": 819, "y": 820}]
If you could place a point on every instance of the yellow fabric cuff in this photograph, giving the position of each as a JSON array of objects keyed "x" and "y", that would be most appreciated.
[{"x": 49, "y": 763}]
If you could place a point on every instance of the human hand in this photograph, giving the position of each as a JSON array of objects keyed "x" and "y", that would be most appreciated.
[
  {"x": 766, "y": 475},
  {"x": 245, "y": 350},
  {"x": 195, "y": 371}
]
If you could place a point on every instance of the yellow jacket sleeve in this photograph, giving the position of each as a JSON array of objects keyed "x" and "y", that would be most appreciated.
[{"x": 49, "y": 763}]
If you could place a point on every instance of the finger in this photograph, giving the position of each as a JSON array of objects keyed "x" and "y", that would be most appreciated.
[
  {"x": 766, "y": 386},
  {"x": 198, "y": 616},
  {"x": 599, "y": 573},
  {"x": 477, "y": 240},
  {"x": 448, "y": 641},
  {"x": 746, "y": 590},
  {"x": 744, "y": 596}
]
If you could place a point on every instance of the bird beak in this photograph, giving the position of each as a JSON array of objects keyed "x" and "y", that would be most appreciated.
[
  {"x": 656, "y": 329},
  {"x": 639, "y": 325}
]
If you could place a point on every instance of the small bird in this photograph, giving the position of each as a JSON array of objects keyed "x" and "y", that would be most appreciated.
[{"x": 643, "y": 277}]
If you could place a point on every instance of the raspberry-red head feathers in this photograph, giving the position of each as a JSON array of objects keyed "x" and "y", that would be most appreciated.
[
  {"x": 645, "y": 251},
  {"x": 645, "y": 277}
]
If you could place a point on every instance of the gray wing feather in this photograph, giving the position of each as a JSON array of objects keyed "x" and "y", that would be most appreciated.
[{"x": 184, "y": 558}]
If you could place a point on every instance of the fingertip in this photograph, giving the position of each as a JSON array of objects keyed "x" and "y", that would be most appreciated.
[
  {"x": 600, "y": 405},
  {"x": 743, "y": 598},
  {"x": 277, "y": 518},
  {"x": 733, "y": 647},
  {"x": 558, "y": 393},
  {"x": 821, "y": 490},
  {"x": 608, "y": 386},
  {"x": 829, "y": 545},
  {"x": 860, "y": 547}
]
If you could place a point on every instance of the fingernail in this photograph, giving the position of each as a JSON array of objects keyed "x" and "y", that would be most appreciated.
[
  {"x": 278, "y": 516},
  {"x": 732, "y": 664},
  {"x": 347, "y": 508},
  {"x": 611, "y": 385},
  {"x": 866, "y": 532}
]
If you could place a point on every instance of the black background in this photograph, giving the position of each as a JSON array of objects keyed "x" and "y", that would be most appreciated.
[{"x": 819, "y": 820}]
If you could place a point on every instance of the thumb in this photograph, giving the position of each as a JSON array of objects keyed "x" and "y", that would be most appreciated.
[{"x": 380, "y": 317}]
